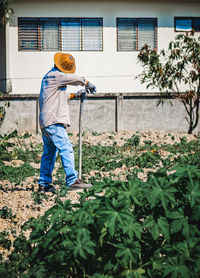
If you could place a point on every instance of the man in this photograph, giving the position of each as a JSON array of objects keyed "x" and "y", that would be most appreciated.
[{"x": 54, "y": 118}]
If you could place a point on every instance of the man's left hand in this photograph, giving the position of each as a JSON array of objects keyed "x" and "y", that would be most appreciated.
[{"x": 77, "y": 94}]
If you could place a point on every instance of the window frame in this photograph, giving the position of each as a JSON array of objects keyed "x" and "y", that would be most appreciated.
[
  {"x": 59, "y": 19},
  {"x": 186, "y": 17},
  {"x": 136, "y": 19}
]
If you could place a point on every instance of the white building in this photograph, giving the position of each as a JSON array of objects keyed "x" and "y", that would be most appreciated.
[{"x": 104, "y": 37}]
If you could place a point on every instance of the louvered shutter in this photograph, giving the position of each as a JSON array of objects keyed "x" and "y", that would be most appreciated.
[
  {"x": 28, "y": 34},
  {"x": 126, "y": 35},
  {"x": 50, "y": 34},
  {"x": 92, "y": 34},
  {"x": 196, "y": 24},
  {"x": 71, "y": 34},
  {"x": 146, "y": 33}
]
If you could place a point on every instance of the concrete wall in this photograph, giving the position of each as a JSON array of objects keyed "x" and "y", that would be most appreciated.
[
  {"x": 110, "y": 70},
  {"x": 102, "y": 114},
  {"x": 20, "y": 115}
]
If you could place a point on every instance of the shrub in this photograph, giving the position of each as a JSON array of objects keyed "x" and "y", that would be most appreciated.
[{"x": 135, "y": 229}]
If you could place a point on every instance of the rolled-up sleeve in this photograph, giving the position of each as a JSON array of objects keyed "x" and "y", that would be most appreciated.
[{"x": 70, "y": 79}]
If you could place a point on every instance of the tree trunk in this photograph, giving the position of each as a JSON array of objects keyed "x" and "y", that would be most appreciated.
[{"x": 190, "y": 117}]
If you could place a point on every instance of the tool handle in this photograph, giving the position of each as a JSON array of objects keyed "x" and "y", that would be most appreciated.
[{"x": 80, "y": 138}]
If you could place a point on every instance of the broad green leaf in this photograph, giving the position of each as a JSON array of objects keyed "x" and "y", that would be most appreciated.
[
  {"x": 164, "y": 227},
  {"x": 194, "y": 193}
]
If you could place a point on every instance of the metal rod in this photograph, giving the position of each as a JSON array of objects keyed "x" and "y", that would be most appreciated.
[
  {"x": 80, "y": 138},
  {"x": 37, "y": 114}
]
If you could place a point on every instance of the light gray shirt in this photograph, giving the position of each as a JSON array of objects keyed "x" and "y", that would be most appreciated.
[{"x": 53, "y": 99}]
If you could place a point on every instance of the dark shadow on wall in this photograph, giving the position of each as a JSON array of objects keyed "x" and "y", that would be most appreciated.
[{"x": 2, "y": 60}]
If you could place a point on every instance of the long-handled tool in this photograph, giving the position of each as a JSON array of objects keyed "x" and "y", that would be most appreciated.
[{"x": 82, "y": 93}]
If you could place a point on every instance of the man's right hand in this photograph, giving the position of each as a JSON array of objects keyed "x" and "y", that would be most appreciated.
[{"x": 91, "y": 88}]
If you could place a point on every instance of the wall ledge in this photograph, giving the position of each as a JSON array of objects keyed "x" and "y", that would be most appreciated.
[{"x": 95, "y": 96}]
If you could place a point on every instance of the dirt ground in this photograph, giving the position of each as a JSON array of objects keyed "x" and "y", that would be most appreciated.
[{"x": 21, "y": 202}]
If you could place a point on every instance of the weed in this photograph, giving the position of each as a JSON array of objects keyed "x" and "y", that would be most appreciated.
[
  {"x": 6, "y": 213},
  {"x": 4, "y": 241},
  {"x": 38, "y": 197},
  {"x": 16, "y": 174},
  {"x": 134, "y": 140}
]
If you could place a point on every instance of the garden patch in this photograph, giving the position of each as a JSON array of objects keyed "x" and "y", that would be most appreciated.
[{"x": 145, "y": 224}]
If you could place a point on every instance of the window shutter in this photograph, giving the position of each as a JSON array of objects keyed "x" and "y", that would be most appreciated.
[
  {"x": 71, "y": 34},
  {"x": 50, "y": 34},
  {"x": 196, "y": 24},
  {"x": 146, "y": 33},
  {"x": 126, "y": 35},
  {"x": 92, "y": 34},
  {"x": 28, "y": 34}
]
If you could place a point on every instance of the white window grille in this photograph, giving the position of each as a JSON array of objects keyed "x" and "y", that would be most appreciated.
[
  {"x": 28, "y": 34},
  {"x": 134, "y": 33},
  {"x": 52, "y": 34}
]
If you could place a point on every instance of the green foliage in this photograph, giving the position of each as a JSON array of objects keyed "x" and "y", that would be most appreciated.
[
  {"x": 4, "y": 241},
  {"x": 170, "y": 71},
  {"x": 135, "y": 229},
  {"x": 38, "y": 197},
  {"x": 5, "y": 11},
  {"x": 184, "y": 153},
  {"x": 6, "y": 213},
  {"x": 118, "y": 229},
  {"x": 108, "y": 158},
  {"x": 16, "y": 174},
  {"x": 16, "y": 150},
  {"x": 134, "y": 140},
  {"x": 11, "y": 147},
  {"x": 6, "y": 103}
]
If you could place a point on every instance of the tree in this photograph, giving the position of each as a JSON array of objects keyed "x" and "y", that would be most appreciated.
[
  {"x": 176, "y": 73},
  {"x": 5, "y": 11}
]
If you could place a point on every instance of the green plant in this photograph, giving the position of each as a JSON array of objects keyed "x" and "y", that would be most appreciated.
[
  {"x": 19, "y": 150},
  {"x": 148, "y": 142},
  {"x": 38, "y": 197},
  {"x": 3, "y": 108},
  {"x": 169, "y": 72},
  {"x": 16, "y": 174},
  {"x": 135, "y": 229},
  {"x": 6, "y": 213},
  {"x": 118, "y": 229},
  {"x": 134, "y": 140},
  {"x": 5, "y": 11},
  {"x": 4, "y": 241}
]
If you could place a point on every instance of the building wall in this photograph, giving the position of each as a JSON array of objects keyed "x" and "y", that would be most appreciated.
[{"x": 110, "y": 70}]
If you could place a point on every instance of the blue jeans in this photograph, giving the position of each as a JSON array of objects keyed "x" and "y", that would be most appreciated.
[{"x": 55, "y": 139}]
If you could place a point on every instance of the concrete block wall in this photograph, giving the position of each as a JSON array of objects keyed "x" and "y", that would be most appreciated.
[{"x": 110, "y": 112}]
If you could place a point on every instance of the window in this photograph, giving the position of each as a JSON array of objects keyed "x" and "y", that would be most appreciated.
[
  {"x": 52, "y": 34},
  {"x": 184, "y": 24},
  {"x": 28, "y": 34},
  {"x": 134, "y": 33}
]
